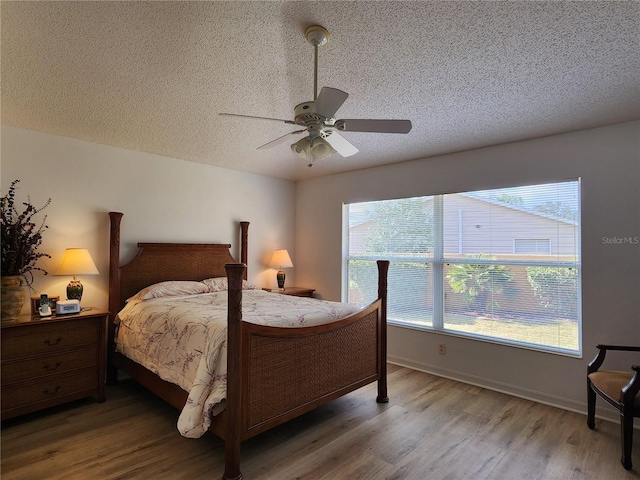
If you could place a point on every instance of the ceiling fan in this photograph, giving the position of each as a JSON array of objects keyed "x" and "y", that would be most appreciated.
[{"x": 318, "y": 117}]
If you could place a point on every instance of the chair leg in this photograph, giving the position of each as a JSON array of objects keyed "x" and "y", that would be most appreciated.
[
  {"x": 626, "y": 423},
  {"x": 591, "y": 406}
]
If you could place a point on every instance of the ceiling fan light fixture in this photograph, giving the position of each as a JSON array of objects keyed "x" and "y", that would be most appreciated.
[
  {"x": 321, "y": 149},
  {"x": 301, "y": 148},
  {"x": 307, "y": 150}
]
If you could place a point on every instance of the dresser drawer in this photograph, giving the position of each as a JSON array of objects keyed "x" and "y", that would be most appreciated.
[
  {"x": 49, "y": 365},
  {"x": 49, "y": 389},
  {"x": 49, "y": 338}
]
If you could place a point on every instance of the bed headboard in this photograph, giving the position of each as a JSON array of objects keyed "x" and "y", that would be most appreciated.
[{"x": 158, "y": 262}]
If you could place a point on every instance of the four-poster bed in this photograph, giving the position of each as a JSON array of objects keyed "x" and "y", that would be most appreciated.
[{"x": 273, "y": 373}]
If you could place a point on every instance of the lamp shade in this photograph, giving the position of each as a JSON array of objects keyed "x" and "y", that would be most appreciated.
[
  {"x": 281, "y": 259},
  {"x": 76, "y": 261}
]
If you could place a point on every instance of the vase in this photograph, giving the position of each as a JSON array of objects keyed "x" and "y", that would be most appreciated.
[{"x": 12, "y": 297}]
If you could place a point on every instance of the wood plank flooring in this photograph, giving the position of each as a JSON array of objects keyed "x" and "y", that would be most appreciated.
[{"x": 432, "y": 429}]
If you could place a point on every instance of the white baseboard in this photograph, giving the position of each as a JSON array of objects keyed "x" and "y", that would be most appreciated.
[{"x": 603, "y": 413}]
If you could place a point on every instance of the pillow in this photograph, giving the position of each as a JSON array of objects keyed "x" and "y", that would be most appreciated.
[
  {"x": 170, "y": 289},
  {"x": 220, "y": 284}
]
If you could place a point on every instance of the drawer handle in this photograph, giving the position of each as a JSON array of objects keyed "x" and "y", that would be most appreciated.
[
  {"x": 51, "y": 344},
  {"x": 47, "y": 392},
  {"x": 49, "y": 368}
]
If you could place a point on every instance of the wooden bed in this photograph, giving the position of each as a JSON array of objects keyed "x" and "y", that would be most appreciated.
[{"x": 273, "y": 374}]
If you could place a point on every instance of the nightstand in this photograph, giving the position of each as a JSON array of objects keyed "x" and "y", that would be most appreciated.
[
  {"x": 52, "y": 360},
  {"x": 293, "y": 291}
]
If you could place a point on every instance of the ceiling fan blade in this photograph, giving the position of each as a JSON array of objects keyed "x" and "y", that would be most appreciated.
[
  {"x": 258, "y": 118},
  {"x": 279, "y": 140},
  {"x": 340, "y": 144},
  {"x": 377, "y": 126},
  {"x": 329, "y": 101}
]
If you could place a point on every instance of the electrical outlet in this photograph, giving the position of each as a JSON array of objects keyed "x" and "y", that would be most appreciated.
[{"x": 442, "y": 349}]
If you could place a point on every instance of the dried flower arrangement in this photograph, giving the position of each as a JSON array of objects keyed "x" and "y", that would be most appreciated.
[{"x": 21, "y": 238}]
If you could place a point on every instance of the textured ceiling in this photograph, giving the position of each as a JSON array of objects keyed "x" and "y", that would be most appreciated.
[{"x": 153, "y": 76}]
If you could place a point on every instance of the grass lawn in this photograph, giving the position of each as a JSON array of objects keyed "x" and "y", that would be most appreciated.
[{"x": 553, "y": 332}]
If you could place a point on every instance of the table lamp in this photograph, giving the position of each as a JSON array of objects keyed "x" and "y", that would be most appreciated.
[
  {"x": 76, "y": 261},
  {"x": 280, "y": 260}
]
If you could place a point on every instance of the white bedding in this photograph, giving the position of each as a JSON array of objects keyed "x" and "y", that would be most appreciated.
[{"x": 183, "y": 339}]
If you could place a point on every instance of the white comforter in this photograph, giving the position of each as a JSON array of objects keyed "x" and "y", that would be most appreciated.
[{"x": 184, "y": 341}]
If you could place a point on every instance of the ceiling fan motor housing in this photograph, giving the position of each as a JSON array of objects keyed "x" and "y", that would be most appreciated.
[{"x": 305, "y": 115}]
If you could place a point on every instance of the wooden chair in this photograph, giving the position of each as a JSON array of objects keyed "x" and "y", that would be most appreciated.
[{"x": 620, "y": 390}]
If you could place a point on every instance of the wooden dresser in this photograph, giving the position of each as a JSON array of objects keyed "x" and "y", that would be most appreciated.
[{"x": 46, "y": 362}]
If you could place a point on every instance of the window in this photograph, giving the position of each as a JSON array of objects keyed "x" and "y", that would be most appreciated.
[
  {"x": 500, "y": 265},
  {"x": 532, "y": 245}
]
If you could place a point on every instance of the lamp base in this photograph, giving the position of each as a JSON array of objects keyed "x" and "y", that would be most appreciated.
[
  {"x": 74, "y": 290},
  {"x": 280, "y": 276}
]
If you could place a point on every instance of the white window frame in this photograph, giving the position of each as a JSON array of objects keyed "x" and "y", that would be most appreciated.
[{"x": 438, "y": 262}]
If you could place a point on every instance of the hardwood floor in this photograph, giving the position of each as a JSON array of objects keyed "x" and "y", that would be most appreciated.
[{"x": 432, "y": 429}]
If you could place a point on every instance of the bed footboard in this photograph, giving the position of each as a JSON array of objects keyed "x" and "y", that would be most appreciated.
[
  {"x": 289, "y": 373},
  {"x": 276, "y": 374}
]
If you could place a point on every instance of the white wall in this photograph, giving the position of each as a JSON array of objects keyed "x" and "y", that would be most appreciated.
[
  {"x": 163, "y": 199},
  {"x": 608, "y": 161}
]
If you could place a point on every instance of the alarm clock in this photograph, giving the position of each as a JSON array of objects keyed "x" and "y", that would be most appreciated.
[{"x": 67, "y": 306}]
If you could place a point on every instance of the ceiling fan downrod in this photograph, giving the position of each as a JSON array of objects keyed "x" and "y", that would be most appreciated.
[{"x": 316, "y": 36}]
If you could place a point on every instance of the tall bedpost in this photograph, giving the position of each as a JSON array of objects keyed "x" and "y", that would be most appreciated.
[
  {"x": 244, "y": 242},
  {"x": 114, "y": 291},
  {"x": 383, "y": 269},
  {"x": 235, "y": 274}
]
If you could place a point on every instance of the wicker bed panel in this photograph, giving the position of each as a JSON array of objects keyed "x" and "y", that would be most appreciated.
[{"x": 325, "y": 363}]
